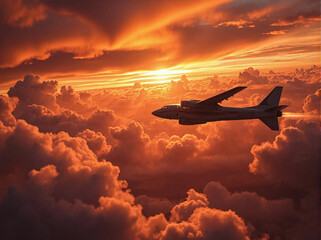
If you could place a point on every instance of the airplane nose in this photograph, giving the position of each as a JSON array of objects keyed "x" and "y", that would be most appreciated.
[{"x": 156, "y": 113}]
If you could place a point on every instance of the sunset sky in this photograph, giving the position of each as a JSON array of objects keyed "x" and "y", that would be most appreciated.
[
  {"x": 95, "y": 44},
  {"x": 82, "y": 157}
]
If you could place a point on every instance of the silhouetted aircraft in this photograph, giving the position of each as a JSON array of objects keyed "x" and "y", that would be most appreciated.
[{"x": 199, "y": 112}]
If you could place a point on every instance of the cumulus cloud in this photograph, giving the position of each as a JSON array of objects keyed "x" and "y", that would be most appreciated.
[
  {"x": 116, "y": 167},
  {"x": 33, "y": 91},
  {"x": 67, "y": 120},
  {"x": 312, "y": 103},
  {"x": 62, "y": 180},
  {"x": 60, "y": 176},
  {"x": 206, "y": 223},
  {"x": 95, "y": 141},
  {"x": 43, "y": 217},
  {"x": 81, "y": 103},
  {"x": 184, "y": 210},
  {"x": 291, "y": 157},
  {"x": 7, "y": 105},
  {"x": 251, "y": 76},
  {"x": 267, "y": 216},
  {"x": 71, "y": 156},
  {"x": 177, "y": 87}
]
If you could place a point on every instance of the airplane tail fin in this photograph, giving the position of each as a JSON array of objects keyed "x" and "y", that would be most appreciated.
[
  {"x": 273, "y": 98},
  {"x": 271, "y": 122}
]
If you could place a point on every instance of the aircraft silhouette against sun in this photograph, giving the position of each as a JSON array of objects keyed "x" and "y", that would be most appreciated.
[{"x": 194, "y": 112}]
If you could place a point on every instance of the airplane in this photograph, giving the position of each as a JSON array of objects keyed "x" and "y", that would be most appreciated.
[{"x": 194, "y": 112}]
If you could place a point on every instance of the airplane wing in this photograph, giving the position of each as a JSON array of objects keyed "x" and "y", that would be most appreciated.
[{"x": 220, "y": 97}]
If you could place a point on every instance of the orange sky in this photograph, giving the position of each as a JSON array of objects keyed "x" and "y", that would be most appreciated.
[
  {"x": 114, "y": 44},
  {"x": 96, "y": 164}
]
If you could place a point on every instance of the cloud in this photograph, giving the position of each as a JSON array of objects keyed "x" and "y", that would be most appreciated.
[
  {"x": 76, "y": 164},
  {"x": 312, "y": 102},
  {"x": 280, "y": 32},
  {"x": 62, "y": 180},
  {"x": 206, "y": 223},
  {"x": 117, "y": 167},
  {"x": 238, "y": 24},
  {"x": 60, "y": 38},
  {"x": 267, "y": 216},
  {"x": 93, "y": 31},
  {"x": 153, "y": 206},
  {"x": 59, "y": 176},
  {"x": 44, "y": 176},
  {"x": 21, "y": 13},
  {"x": 81, "y": 103},
  {"x": 95, "y": 141},
  {"x": 295, "y": 150},
  {"x": 178, "y": 88},
  {"x": 301, "y": 19},
  {"x": 184, "y": 210},
  {"x": 32, "y": 91},
  {"x": 251, "y": 76},
  {"x": 50, "y": 34},
  {"x": 7, "y": 105},
  {"x": 122, "y": 19},
  {"x": 137, "y": 85},
  {"x": 44, "y": 217},
  {"x": 67, "y": 121}
]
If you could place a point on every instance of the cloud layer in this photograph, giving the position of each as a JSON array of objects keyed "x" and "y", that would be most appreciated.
[{"x": 97, "y": 164}]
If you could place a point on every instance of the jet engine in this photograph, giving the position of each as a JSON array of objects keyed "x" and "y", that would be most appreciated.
[
  {"x": 184, "y": 121},
  {"x": 189, "y": 103}
]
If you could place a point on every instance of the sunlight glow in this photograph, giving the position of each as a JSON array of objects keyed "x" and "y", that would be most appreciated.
[
  {"x": 165, "y": 72},
  {"x": 300, "y": 115}
]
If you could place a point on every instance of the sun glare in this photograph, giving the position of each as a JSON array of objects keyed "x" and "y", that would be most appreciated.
[{"x": 165, "y": 72}]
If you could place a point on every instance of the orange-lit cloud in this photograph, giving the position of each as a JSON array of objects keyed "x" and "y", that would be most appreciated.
[
  {"x": 95, "y": 155},
  {"x": 62, "y": 39},
  {"x": 96, "y": 164}
]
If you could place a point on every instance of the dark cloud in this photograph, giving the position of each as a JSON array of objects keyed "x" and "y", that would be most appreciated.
[
  {"x": 200, "y": 41},
  {"x": 119, "y": 19},
  {"x": 153, "y": 206},
  {"x": 60, "y": 63},
  {"x": 56, "y": 32},
  {"x": 38, "y": 217},
  {"x": 267, "y": 216},
  {"x": 21, "y": 13}
]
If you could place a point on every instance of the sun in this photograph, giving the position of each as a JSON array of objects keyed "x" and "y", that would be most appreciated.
[{"x": 169, "y": 73}]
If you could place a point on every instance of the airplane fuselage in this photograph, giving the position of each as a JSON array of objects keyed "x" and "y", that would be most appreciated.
[
  {"x": 199, "y": 112},
  {"x": 216, "y": 114}
]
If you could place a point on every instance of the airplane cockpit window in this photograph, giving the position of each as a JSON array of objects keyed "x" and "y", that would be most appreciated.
[{"x": 170, "y": 107}]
